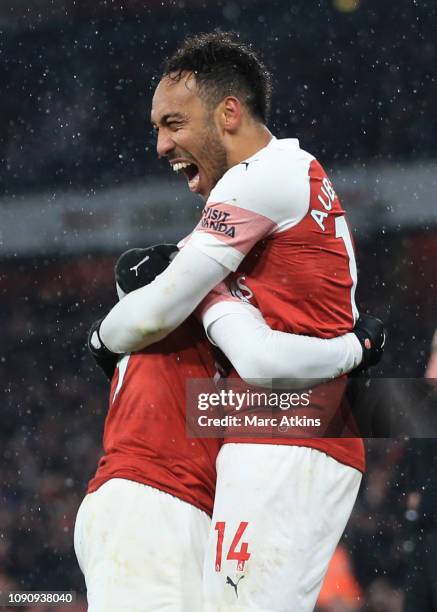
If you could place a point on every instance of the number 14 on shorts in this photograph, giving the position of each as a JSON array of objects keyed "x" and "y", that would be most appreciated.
[{"x": 240, "y": 556}]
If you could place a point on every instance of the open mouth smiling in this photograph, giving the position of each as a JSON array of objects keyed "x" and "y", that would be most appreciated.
[{"x": 190, "y": 170}]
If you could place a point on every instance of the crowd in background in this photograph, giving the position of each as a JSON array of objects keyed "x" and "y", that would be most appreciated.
[{"x": 76, "y": 93}]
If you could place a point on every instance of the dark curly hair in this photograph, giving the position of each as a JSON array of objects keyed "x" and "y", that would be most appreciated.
[{"x": 223, "y": 66}]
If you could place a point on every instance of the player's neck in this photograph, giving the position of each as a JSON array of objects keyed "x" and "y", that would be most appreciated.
[{"x": 247, "y": 143}]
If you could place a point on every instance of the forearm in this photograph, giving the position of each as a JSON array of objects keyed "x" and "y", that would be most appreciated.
[
  {"x": 124, "y": 330},
  {"x": 150, "y": 313},
  {"x": 260, "y": 354}
]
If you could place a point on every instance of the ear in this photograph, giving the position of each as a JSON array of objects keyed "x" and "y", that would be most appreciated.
[{"x": 230, "y": 114}]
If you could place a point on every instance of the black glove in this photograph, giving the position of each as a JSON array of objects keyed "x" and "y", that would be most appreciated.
[
  {"x": 105, "y": 359},
  {"x": 371, "y": 334},
  {"x": 138, "y": 267}
]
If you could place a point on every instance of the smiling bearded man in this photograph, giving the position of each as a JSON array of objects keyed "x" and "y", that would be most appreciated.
[
  {"x": 274, "y": 228},
  {"x": 187, "y": 133}
]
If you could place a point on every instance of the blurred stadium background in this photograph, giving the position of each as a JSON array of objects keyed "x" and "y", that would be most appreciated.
[{"x": 355, "y": 81}]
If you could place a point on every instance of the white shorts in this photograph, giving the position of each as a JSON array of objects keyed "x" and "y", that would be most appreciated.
[
  {"x": 141, "y": 550},
  {"x": 279, "y": 513}
]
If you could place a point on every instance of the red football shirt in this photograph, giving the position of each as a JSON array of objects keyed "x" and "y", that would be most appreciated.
[
  {"x": 277, "y": 223},
  {"x": 145, "y": 436}
]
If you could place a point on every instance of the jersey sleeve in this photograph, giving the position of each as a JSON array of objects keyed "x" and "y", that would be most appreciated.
[
  {"x": 220, "y": 302},
  {"x": 260, "y": 354},
  {"x": 252, "y": 200}
]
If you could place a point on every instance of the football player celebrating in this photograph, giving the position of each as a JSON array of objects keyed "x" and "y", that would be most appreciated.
[
  {"x": 273, "y": 225},
  {"x": 142, "y": 530}
]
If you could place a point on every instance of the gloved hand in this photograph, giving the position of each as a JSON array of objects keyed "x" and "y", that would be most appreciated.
[
  {"x": 105, "y": 359},
  {"x": 371, "y": 334}
]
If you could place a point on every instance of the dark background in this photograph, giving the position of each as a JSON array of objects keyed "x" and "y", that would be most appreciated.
[{"x": 354, "y": 81}]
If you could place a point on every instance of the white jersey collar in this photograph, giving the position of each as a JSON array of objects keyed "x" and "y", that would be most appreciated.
[{"x": 275, "y": 143}]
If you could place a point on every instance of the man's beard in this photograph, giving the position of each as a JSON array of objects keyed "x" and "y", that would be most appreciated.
[{"x": 214, "y": 152}]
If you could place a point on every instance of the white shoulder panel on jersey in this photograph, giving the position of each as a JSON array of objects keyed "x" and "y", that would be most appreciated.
[{"x": 273, "y": 183}]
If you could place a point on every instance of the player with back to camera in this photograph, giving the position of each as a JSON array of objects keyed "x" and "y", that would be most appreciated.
[
  {"x": 274, "y": 228},
  {"x": 141, "y": 532}
]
